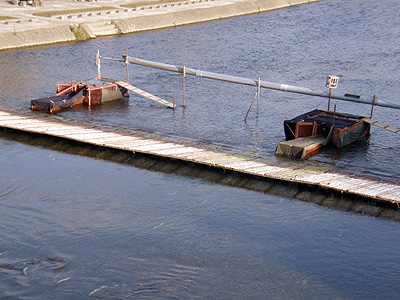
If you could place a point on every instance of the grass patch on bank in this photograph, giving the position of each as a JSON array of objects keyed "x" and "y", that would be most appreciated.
[
  {"x": 72, "y": 11},
  {"x": 3, "y": 18},
  {"x": 147, "y": 3},
  {"x": 80, "y": 33}
]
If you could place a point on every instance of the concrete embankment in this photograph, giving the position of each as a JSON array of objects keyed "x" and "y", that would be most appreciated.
[
  {"x": 202, "y": 14},
  {"x": 174, "y": 15},
  {"x": 34, "y": 37}
]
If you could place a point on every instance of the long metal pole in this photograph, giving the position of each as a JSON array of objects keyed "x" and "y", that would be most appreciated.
[
  {"x": 254, "y": 98},
  {"x": 263, "y": 84}
]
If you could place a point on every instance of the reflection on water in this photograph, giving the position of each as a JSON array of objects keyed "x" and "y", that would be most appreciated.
[
  {"x": 209, "y": 174},
  {"x": 81, "y": 227},
  {"x": 107, "y": 225}
]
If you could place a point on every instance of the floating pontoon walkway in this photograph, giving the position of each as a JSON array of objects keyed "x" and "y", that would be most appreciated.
[{"x": 363, "y": 187}]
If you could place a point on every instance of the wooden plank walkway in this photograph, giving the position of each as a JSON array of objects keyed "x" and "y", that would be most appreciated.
[
  {"x": 145, "y": 94},
  {"x": 369, "y": 188},
  {"x": 381, "y": 125}
]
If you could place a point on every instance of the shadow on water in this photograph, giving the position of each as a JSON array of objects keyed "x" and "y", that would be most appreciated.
[{"x": 295, "y": 191}]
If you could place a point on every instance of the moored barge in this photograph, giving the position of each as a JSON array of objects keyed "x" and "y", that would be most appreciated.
[
  {"x": 308, "y": 133},
  {"x": 73, "y": 94}
]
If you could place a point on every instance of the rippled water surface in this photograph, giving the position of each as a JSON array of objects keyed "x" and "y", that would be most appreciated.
[{"x": 78, "y": 223}]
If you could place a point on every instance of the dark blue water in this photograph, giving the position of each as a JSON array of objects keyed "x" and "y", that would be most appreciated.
[{"x": 80, "y": 224}]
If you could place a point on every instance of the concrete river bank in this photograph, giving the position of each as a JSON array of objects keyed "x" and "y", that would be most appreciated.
[{"x": 26, "y": 29}]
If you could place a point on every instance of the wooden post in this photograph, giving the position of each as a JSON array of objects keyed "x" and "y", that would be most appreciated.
[
  {"x": 184, "y": 75},
  {"x": 174, "y": 102},
  {"x": 334, "y": 114},
  {"x": 329, "y": 101},
  {"x": 373, "y": 104},
  {"x": 258, "y": 93},
  {"x": 127, "y": 69},
  {"x": 98, "y": 63}
]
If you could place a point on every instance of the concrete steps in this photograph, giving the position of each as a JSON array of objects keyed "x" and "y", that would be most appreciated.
[{"x": 103, "y": 28}]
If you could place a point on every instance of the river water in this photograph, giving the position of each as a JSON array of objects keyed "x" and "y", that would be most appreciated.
[{"x": 79, "y": 223}]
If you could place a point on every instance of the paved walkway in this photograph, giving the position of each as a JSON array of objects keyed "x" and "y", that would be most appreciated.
[{"x": 27, "y": 19}]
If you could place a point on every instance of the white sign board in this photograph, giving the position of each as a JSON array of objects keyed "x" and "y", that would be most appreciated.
[{"x": 332, "y": 82}]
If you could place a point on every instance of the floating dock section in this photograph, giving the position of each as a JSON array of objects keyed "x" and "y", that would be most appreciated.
[
  {"x": 301, "y": 147},
  {"x": 342, "y": 183}
]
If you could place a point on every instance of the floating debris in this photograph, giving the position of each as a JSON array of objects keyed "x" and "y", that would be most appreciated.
[
  {"x": 158, "y": 226},
  {"x": 96, "y": 290},
  {"x": 62, "y": 280}
]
